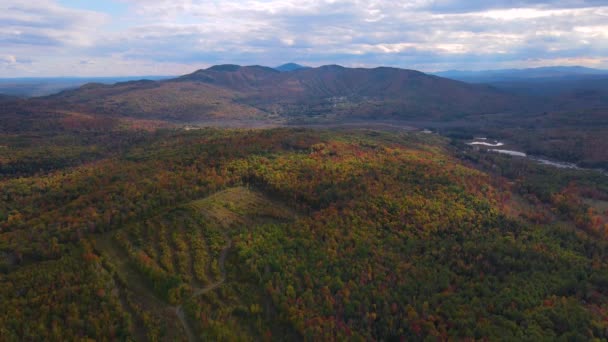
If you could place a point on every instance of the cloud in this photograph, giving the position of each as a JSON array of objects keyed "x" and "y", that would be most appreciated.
[
  {"x": 177, "y": 36},
  {"x": 459, "y": 6},
  {"x": 374, "y": 29},
  {"x": 45, "y": 23},
  {"x": 8, "y": 59}
]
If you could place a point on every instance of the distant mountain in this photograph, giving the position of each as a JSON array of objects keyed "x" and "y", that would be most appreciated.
[
  {"x": 547, "y": 82},
  {"x": 333, "y": 92},
  {"x": 290, "y": 67},
  {"x": 532, "y": 74},
  {"x": 330, "y": 81}
]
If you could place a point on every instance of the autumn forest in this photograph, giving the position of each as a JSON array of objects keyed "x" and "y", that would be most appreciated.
[{"x": 294, "y": 234}]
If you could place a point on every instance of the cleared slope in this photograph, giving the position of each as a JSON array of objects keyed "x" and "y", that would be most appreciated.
[{"x": 166, "y": 263}]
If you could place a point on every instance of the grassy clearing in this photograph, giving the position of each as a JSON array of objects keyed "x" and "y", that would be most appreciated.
[
  {"x": 184, "y": 244},
  {"x": 240, "y": 205}
]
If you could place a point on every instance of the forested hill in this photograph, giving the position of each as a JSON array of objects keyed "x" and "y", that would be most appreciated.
[{"x": 293, "y": 234}]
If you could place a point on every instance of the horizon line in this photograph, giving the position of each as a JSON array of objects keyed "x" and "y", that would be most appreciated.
[{"x": 302, "y": 65}]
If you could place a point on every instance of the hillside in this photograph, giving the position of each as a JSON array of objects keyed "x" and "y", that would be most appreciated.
[
  {"x": 295, "y": 234},
  {"x": 171, "y": 101}
]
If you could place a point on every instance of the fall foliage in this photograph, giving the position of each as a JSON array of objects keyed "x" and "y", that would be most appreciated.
[{"x": 330, "y": 235}]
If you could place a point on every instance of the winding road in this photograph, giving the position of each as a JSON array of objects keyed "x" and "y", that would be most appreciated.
[{"x": 179, "y": 310}]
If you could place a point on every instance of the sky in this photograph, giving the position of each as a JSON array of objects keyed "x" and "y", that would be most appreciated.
[{"x": 42, "y": 38}]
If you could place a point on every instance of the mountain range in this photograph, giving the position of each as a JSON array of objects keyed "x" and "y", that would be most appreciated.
[
  {"x": 556, "y": 78},
  {"x": 255, "y": 92},
  {"x": 529, "y": 74}
]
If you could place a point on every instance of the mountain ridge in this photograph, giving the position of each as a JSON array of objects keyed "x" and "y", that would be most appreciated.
[
  {"x": 330, "y": 92},
  {"x": 290, "y": 67},
  {"x": 529, "y": 74}
]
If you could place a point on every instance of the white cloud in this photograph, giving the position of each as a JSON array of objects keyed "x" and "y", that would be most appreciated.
[
  {"x": 9, "y": 59},
  {"x": 177, "y": 36},
  {"x": 46, "y": 23}
]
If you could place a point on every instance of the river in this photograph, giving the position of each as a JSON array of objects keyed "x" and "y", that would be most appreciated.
[{"x": 483, "y": 142}]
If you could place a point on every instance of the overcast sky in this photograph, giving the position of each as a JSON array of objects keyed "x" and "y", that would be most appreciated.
[{"x": 170, "y": 37}]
